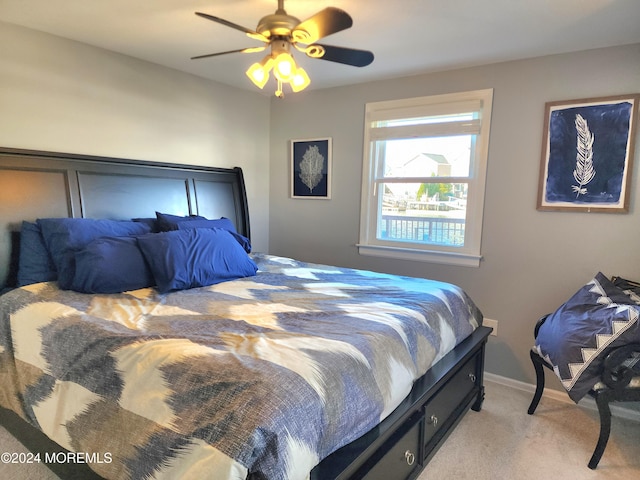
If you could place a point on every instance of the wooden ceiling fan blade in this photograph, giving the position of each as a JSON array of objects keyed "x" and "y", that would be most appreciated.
[
  {"x": 347, "y": 56},
  {"x": 241, "y": 50},
  {"x": 227, "y": 23},
  {"x": 326, "y": 22}
]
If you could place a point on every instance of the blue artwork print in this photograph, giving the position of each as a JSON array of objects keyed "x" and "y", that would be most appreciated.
[
  {"x": 588, "y": 153},
  {"x": 311, "y": 168}
]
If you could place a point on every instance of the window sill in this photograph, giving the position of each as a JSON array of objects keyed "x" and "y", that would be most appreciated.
[{"x": 431, "y": 256}]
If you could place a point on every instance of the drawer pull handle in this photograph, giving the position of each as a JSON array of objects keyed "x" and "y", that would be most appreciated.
[
  {"x": 433, "y": 420},
  {"x": 409, "y": 457},
  {"x": 472, "y": 377}
]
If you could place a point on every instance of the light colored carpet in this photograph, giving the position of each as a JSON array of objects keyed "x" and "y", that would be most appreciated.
[
  {"x": 557, "y": 441},
  {"x": 501, "y": 442}
]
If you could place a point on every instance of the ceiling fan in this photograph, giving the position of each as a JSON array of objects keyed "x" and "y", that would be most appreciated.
[{"x": 281, "y": 31}]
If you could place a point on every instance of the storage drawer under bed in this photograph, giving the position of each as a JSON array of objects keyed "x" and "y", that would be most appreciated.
[
  {"x": 401, "y": 457},
  {"x": 438, "y": 411}
]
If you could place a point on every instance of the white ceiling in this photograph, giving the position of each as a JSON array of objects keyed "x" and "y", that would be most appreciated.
[{"x": 407, "y": 36}]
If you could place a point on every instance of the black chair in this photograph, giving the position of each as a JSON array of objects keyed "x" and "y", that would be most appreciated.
[{"x": 619, "y": 382}]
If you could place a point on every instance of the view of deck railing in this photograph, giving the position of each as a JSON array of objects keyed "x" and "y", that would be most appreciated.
[{"x": 443, "y": 231}]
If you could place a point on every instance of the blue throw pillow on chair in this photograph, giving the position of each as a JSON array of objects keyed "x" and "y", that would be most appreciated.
[{"x": 578, "y": 335}]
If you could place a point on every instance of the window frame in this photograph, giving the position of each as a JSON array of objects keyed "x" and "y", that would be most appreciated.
[{"x": 481, "y": 101}]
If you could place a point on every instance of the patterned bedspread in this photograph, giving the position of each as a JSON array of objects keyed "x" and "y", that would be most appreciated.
[{"x": 263, "y": 376}]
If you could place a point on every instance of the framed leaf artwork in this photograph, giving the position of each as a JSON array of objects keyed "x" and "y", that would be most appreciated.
[
  {"x": 587, "y": 154},
  {"x": 311, "y": 168}
]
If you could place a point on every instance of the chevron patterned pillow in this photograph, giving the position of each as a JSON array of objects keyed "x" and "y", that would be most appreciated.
[{"x": 579, "y": 334}]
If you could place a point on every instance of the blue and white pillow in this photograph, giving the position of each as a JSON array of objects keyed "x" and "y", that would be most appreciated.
[{"x": 576, "y": 338}]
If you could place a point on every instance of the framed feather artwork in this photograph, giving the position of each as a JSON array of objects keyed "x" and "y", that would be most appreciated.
[
  {"x": 587, "y": 154},
  {"x": 311, "y": 168}
]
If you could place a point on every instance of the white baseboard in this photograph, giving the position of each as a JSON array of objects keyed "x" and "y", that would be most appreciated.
[{"x": 587, "y": 402}]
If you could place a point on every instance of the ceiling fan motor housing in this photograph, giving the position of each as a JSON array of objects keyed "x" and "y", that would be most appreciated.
[{"x": 277, "y": 24}]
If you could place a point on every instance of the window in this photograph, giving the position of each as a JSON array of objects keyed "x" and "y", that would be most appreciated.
[{"x": 423, "y": 181}]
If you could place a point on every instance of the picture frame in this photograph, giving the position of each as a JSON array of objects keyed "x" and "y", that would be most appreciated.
[
  {"x": 311, "y": 168},
  {"x": 587, "y": 154}
]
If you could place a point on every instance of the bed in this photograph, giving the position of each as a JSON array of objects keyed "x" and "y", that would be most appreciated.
[{"x": 280, "y": 370}]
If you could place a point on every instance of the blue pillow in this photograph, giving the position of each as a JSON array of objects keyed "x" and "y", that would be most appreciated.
[
  {"x": 34, "y": 262},
  {"x": 111, "y": 265},
  {"x": 576, "y": 337},
  {"x": 151, "y": 221},
  {"x": 194, "y": 258},
  {"x": 168, "y": 223},
  {"x": 192, "y": 222},
  {"x": 223, "y": 223},
  {"x": 65, "y": 236}
]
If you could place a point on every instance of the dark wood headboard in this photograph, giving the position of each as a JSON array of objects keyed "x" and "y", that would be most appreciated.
[{"x": 36, "y": 184}]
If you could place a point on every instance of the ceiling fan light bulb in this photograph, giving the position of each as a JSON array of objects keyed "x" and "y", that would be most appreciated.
[
  {"x": 284, "y": 67},
  {"x": 258, "y": 75},
  {"x": 300, "y": 80}
]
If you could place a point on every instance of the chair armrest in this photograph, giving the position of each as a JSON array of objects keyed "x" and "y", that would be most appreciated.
[
  {"x": 539, "y": 324},
  {"x": 620, "y": 365}
]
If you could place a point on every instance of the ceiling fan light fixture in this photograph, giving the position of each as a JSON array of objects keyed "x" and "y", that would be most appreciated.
[
  {"x": 284, "y": 67},
  {"x": 300, "y": 80},
  {"x": 285, "y": 72},
  {"x": 258, "y": 73}
]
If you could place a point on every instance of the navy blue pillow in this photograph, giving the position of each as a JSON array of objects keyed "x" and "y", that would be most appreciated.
[
  {"x": 34, "y": 262},
  {"x": 65, "y": 236},
  {"x": 223, "y": 223},
  {"x": 192, "y": 222},
  {"x": 151, "y": 221},
  {"x": 191, "y": 258},
  {"x": 576, "y": 337},
  {"x": 168, "y": 223},
  {"x": 111, "y": 265}
]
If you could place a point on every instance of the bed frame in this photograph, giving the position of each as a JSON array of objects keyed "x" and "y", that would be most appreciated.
[{"x": 36, "y": 184}]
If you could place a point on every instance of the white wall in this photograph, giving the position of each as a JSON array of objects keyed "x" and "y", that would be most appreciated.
[
  {"x": 64, "y": 96},
  {"x": 533, "y": 261}
]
